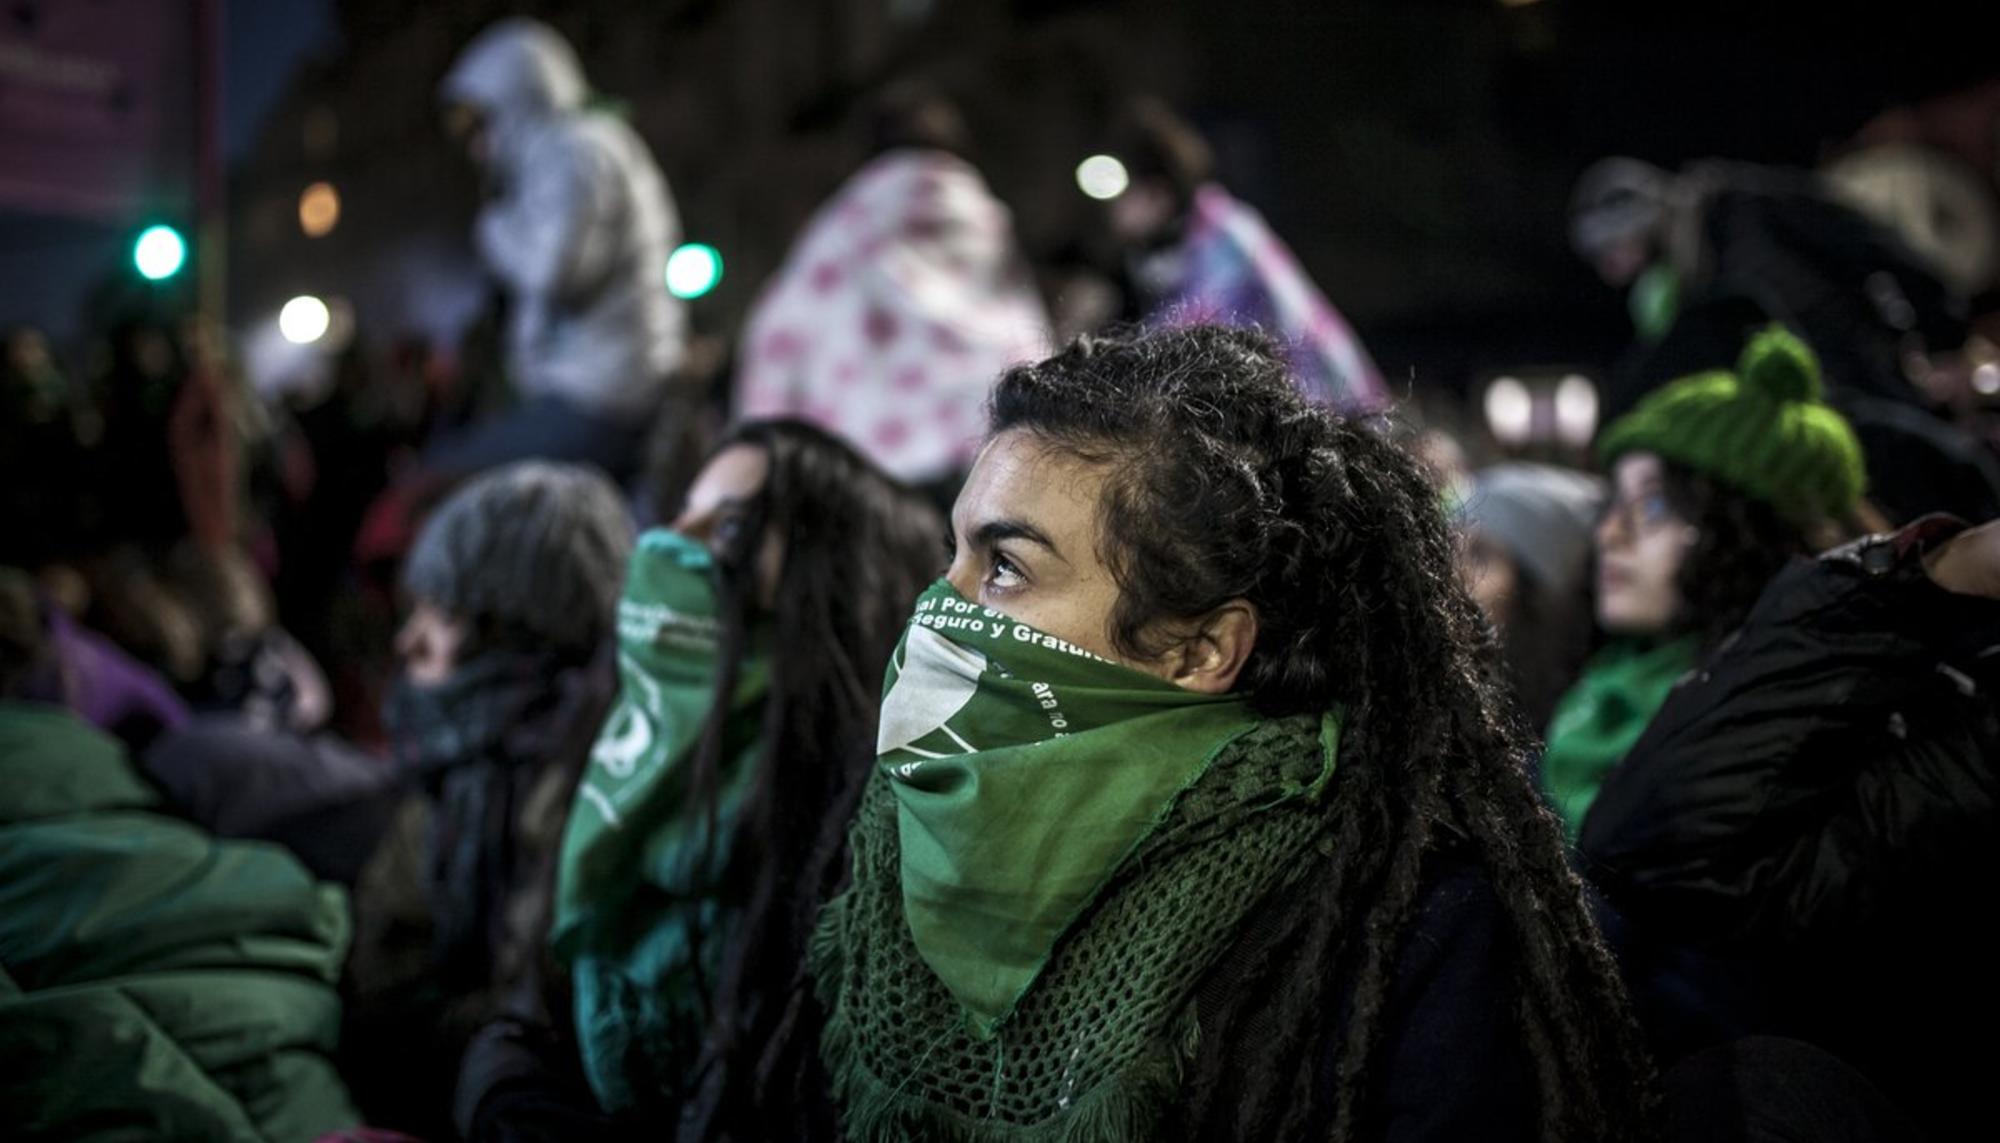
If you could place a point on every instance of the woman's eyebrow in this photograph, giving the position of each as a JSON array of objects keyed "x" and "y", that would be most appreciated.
[{"x": 993, "y": 531}]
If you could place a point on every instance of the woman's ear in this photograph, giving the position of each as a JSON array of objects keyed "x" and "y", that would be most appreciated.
[{"x": 1209, "y": 659}]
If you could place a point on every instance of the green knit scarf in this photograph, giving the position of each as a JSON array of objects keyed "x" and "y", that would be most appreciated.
[
  {"x": 1081, "y": 1033},
  {"x": 1601, "y": 717}
]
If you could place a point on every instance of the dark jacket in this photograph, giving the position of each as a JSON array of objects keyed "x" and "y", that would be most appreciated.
[
  {"x": 1453, "y": 1063},
  {"x": 1813, "y": 820},
  {"x": 451, "y": 912},
  {"x": 324, "y": 800}
]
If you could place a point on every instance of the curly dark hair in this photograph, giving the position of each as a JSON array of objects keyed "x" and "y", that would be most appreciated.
[
  {"x": 1225, "y": 483},
  {"x": 858, "y": 548},
  {"x": 1742, "y": 544}
]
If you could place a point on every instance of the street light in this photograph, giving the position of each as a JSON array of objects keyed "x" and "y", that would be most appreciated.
[
  {"x": 304, "y": 320},
  {"x": 1102, "y": 177},
  {"x": 319, "y": 210}
]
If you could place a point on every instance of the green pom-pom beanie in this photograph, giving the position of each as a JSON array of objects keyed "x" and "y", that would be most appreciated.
[{"x": 1764, "y": 430}]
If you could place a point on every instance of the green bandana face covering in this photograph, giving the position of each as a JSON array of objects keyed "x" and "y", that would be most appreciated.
[
  {"x": 1025, "y": 770},
  {"x": 628, "y": 884}
]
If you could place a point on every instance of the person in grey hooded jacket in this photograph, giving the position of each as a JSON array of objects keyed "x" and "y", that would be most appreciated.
[{"x": 576, "y": 230}]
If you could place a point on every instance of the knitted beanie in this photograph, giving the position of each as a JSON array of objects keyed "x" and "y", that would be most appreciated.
[
  {"x": 1763, "y": 430},
  {"x": 535, "y": 547},
  {"x": 1542, "y": 515}
]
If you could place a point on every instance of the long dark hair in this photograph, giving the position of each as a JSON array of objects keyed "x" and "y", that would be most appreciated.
[
  {"x": 857, "y": 547},
  {"x": 1225, "y": 483},
  {"x": 1741, "y": 544}
]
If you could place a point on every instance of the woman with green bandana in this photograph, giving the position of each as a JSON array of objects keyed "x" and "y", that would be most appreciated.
[
  {"x": 1196, "y": 815},
  {"x": 1719, "y": 480},
  {"x": 709, "y": 825}
]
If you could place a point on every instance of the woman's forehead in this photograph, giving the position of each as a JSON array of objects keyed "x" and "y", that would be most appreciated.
[
  {"x": 1636, "y": 470},
  {"x": 1018, "y": 476},
  {"x": 735, "y": 473}
]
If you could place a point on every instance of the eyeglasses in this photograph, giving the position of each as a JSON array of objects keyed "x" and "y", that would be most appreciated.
[{"x": 1640, "y": 516}]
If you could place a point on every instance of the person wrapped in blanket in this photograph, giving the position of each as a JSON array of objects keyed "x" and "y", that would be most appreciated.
[
  {"x": 1197, "y": 254},
  {"x": 900, "y": 302}
]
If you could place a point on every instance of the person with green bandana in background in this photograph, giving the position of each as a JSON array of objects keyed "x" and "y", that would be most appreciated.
[
  {"x": 1719, "y": 480},
  {"x": 1197, "y": 814},
  {"x": 709, "y": 825}
]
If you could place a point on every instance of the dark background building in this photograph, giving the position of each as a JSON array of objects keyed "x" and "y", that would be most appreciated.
[{"x": 1418, "y": 154}]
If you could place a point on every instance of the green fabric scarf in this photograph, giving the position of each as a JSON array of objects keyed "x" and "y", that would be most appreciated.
[
  {"x": 1600, "y": 719},
  {"x": 629, "y": 888},
  {"x": 1053, "y": 853}
]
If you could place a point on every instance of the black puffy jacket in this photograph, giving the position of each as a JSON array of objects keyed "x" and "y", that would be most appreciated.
[{"x": 1814, "y": 819}]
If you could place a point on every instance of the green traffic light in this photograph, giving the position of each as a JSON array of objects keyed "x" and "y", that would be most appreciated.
[{"x": 159, "y": 253}]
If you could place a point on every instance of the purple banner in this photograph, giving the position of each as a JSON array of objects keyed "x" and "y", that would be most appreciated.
[{"x": 96, "y": 106}]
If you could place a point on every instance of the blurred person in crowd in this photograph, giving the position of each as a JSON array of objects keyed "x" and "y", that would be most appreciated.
[
  {"x": 1700, "y": 250},
  {"x": 900, "y": 302},
  {"x": 1526, "y": 560},
  {"x": 1083, "y": 296},
  {"x": 1711, "y": 253},
  {"x": 102, "y": 685},
  {"x": 1195, "y": 814},
  {"x": 711, "y": 822},
  {"x": 346, "y": 437},
  {"x": 157, "y": 981},
  {"x": 1718, "y": 481},
  {"x": 506, "y": 676},
  {"x": 165, "y": 569},
  {"x": 131, "y": 474},
  {"x": 1196, "y": 254},
  {"x": 47, "y": 503},
  {"x": 1814, "y": 816},
  {"x": 138, "y": 385},
  {"x": 576, "y": 229}
]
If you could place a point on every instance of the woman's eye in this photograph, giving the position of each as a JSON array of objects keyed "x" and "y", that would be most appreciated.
[
  {"x": 1005, "y": 574},
  {"x": 729, "y": 529}
]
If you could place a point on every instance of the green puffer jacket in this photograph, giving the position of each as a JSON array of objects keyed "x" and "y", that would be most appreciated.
[{"x": 155, "y": 983}]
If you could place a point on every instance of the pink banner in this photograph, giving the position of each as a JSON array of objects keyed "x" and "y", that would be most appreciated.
[{"x": 96, "y": 106}]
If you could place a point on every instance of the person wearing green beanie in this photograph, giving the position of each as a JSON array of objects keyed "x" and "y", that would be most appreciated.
[
  {"x": 1719, "y": 479},
  {"x": 1197, "y": 813}
]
